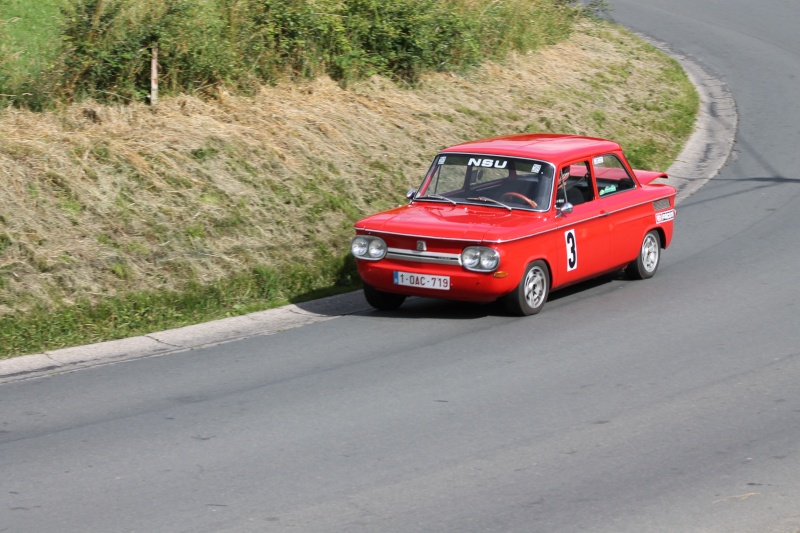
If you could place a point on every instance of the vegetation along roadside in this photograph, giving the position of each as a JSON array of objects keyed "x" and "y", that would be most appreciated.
[{"x": 118, "y": 218}]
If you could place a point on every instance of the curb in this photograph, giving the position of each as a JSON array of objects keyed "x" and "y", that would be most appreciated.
[
  {"x": 711, "y": 144},
  {"x": 182, "y": 339}
]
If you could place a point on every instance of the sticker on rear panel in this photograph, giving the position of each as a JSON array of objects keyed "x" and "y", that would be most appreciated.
[{"x": 665, "y": 216}]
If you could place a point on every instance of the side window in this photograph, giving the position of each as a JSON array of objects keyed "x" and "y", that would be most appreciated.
[
  {"x": 575, "y": 184},
  {"x": 611, "y": 175}
]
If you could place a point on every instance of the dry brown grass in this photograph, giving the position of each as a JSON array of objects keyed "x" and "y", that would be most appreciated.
[{"x": 98, "y": 200}]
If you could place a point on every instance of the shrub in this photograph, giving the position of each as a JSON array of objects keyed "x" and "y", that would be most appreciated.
[
  {"x": 106, "y": 49},
  {"x": 106, "y": 44},
  {"x": 5, "y": 61}
]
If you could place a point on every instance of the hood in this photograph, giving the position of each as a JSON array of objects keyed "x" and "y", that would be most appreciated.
[{"x": 460, "y": 222}]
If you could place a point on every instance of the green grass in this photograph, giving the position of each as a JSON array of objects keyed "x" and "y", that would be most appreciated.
[
  {"x": 30, "y": 28},
  {"x": 145, "y": 312}
]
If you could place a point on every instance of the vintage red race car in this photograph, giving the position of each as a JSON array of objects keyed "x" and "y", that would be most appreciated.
[{"x": 514, "y": 218}]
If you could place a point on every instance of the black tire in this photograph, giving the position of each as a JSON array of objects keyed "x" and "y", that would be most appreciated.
[
  {"x": 531, "y": 294},
  {"x": 646, "y": 263},
  {"x": 385, "y": 301}
]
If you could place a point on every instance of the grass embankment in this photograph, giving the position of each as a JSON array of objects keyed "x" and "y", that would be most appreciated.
[{"x": 118, "y": 220}]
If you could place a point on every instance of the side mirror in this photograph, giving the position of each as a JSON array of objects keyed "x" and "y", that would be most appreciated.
[
  {"x": 411, "y": 194},
  {"x": 565, "y": 209}
]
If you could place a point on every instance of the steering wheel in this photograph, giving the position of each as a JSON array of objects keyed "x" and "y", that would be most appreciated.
[{"x": 518, "y": 196}]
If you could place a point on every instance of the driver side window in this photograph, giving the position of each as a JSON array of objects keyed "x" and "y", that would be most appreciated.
[{"x": 575, "y": 184}]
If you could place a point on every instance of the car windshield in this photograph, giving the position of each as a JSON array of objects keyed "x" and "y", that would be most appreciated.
[{"x": 489, "y": 180}]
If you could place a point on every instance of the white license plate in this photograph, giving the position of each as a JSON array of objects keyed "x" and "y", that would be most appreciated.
[{"x": 409, "y": 279}]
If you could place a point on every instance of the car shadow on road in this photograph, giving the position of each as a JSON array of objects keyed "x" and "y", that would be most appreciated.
[
  {"x": 432, "y": 308},
  {"x": 586, "y": 286},
  {"x": 354, "y": 303}
]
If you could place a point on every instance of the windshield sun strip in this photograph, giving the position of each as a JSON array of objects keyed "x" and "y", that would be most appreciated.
[{"x": 437, "y": 165}]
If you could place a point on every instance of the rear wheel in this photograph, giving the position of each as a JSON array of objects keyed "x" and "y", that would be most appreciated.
[
  {"x": 646, "y": 263},
  {"x": 385, "y": 301},
  {"x": 531, "y": 293}
]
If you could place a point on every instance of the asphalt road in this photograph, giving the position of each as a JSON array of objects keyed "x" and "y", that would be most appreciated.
[{"x": 670, "y": 405}]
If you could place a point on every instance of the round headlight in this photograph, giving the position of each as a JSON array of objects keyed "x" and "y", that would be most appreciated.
[
  {"x": 470, "y": 258},
  {"x": 489, "y": 259},
  {"x": 377, "y": 248},
  {"x": 359, "y": 246},
  {"x": 368, "y": 247},
  {"x": 480, "y": 258}
]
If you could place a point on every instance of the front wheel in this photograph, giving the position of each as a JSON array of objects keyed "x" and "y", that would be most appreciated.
[
  {"x": 531, "y": 293},
  {"x": 385, "y": 301},
  {"x": 646, "y": 263}
]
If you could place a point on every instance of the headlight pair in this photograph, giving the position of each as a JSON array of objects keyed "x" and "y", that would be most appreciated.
[
  {"x": 480, "y": 259},
  {"x": 475, "y": 258},
  {"x": 368, "y": 247}
]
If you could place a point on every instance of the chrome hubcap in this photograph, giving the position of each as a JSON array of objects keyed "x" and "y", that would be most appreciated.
[
  {"x": 534, "y": 287},
  {"x": 650, "y": 253}
]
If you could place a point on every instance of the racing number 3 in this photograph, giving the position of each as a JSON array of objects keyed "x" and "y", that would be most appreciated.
[{"x": 572, "y": 250}]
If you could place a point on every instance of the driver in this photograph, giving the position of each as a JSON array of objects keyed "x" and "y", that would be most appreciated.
[
  {"x": 571, "y": 195},
  {"x": 562, "y": 179}
]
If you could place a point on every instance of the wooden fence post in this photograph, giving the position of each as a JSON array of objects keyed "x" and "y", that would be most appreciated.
[{"x": 154, "y": 75}]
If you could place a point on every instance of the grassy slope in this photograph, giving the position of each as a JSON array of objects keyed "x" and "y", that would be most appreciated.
[{"x": 243, "y": 203}]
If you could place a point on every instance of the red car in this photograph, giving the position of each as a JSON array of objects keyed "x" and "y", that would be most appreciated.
[{"x": 514, "y": 218}]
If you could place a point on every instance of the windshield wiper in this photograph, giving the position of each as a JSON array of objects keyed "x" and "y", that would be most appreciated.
[
  {"x": 489, "y": 200},
  {"x": 436, "y": 197}
]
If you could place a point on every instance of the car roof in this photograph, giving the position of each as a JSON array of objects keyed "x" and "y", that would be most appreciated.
[{"x": 556, "y": 148}]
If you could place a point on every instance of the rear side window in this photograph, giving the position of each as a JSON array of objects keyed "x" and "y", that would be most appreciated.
[{"x": 611, "y": 175}]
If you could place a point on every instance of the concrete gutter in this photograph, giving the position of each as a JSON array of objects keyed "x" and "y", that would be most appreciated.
[
  {"x": 705, "y": 153},
  {"x": 711, "y": 143},
  {"x": 182, "y": 339}
]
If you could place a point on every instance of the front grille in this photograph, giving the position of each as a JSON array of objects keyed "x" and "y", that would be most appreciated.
[{"x": 439, "y": 258}]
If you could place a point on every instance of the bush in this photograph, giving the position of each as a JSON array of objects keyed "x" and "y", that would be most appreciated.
[
  {"x": 106, "y": 44},
  {"x": 107, "y": 50},
  {"x": 5, "y": 60},
  {"x": 403, "y": 38}
]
